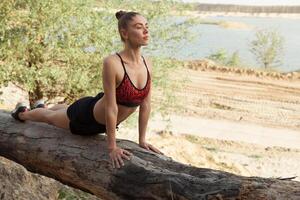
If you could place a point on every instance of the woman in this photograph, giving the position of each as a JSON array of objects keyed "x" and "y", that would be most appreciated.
[{"x": 127, "y": 86}]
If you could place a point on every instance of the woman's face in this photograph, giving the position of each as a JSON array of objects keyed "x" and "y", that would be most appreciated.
[{"x": 137, "y": 31}]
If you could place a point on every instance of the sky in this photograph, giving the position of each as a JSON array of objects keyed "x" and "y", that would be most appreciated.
[{"x": 249, "y": 2}]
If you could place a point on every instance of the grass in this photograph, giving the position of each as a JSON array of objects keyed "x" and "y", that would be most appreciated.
[
  {"x": 66, "y": 195},
  {"x": 211, "y": 149},
  {"x": 192, "y": 139},
  {"x": 255, "y": 156},
  {"x": 197, "y": 140},
  {"x": 69, "y": 194},
  {"x": 220, "y": 106}
]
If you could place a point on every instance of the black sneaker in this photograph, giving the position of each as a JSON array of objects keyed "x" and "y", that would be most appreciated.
[
  {"x": 39, "y": 104},
  {"x": 20, "y": 107}
]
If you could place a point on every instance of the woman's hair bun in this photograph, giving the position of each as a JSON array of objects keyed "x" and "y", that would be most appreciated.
[{"x": 119, "y": 14}]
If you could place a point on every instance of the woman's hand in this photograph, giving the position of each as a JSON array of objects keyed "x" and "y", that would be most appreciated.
[
  {"x": 117, "y": 155},
  {"x": 149, "y": 147}
]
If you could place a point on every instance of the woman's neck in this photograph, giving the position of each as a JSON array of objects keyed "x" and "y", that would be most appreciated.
[{"x": 133, "y": 55}]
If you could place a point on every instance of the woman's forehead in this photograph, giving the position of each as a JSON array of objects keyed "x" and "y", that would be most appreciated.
[{"x": 138, "y": 19}]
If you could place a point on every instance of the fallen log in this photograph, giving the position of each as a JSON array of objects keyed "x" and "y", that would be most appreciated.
[{"x": 83, "y": 162}]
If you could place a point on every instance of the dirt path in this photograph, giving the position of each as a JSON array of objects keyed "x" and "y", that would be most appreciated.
[
  {"x": 237, "y": 107},
  {"x": 241, "y": 98},
  {"x": 230, "y": 130},
  {"x": 236, "y": 157}
]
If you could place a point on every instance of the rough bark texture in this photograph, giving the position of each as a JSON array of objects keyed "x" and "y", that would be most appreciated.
[
  {"x": 83, "y": 162},
  {"x": 16, "y": 183}
]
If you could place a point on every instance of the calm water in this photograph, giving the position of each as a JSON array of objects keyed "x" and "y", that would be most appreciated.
[{"x": 211, "y": 38}]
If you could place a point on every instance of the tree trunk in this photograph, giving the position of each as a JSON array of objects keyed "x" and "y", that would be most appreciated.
[
  {"x": 36, "y": 94},
  {"x": 83, "y": 162}
]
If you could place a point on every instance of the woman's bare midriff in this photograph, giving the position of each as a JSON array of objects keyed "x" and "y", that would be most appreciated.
[{"x": 99, "y": 111}]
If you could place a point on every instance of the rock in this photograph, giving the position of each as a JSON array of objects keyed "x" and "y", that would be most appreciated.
[
  {"x": 289, "y": 75},
  {"x": 16, "y": 182},
  {"x": 12, "y": 94}
]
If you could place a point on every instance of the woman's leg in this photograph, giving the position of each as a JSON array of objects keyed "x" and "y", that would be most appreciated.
[
  {"x": 57, "y": 118},
  {"x": 58, "y": 107}
]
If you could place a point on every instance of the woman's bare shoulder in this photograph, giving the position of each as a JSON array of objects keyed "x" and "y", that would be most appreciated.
[
  {"x": 111, "y": 59},
  {"x": 111, "y": 63}
]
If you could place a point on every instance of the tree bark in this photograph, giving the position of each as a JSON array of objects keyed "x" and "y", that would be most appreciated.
[{"x": 83, "y": 162}]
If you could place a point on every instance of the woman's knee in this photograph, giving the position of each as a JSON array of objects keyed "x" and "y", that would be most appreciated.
[
  {"x": 58, "y": 118},
  {"x": 49, "y": 117}
]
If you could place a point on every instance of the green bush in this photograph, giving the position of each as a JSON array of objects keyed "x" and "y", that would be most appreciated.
[
  {"x": 222, "y": 57},
  {"x": 56, "y": 48},
  {"x": 267, "y": 47}
]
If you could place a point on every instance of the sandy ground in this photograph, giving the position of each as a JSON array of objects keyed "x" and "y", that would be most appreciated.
[
  {"x": 241, "y": 98},
  {"x": 231, "y": 130},
  {"x": 235, "y": 122}
]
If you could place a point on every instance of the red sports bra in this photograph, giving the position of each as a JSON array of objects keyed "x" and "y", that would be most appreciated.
[{"x": 127, "y": 94}]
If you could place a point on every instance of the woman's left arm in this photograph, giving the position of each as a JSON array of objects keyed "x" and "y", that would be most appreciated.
[{"x": 144, "y": 113}]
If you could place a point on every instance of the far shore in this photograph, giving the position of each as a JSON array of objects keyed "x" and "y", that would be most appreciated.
[{"x": 203, "y": 14}]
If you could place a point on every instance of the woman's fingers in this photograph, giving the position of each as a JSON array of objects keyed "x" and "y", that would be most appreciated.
[
  {"x": 145, "y": 146},
  {"x": 121, "y": 162},
  {"x": 113, "y": 163},
  {"x": 117, "y": 158},
  {"x": 117, "y": 164},
  {"x": 155, "y": 149},
  {"x": 126, "y": 157},
  {"x": 127, "y": 152}
]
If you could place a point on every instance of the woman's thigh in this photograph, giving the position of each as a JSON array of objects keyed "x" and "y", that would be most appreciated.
[
  {"x": 59, "y": 118},
  {"x": 58, "y": 107}
]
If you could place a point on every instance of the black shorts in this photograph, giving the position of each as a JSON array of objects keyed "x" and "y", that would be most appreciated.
[{"x": 82, "y": 120}]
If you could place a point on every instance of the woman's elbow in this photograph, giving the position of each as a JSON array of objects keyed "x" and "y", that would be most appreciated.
[
  {"x": 145, "y": 108},
  {"x": 111, "y": 109}
]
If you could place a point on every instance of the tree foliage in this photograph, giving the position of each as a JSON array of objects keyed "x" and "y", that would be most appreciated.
[
  {"x": 267, "y": 47},
  {"x": 222, "y": 57},
  {"x": 56, "y": 48},
  {"x": 42, "y": 46}
]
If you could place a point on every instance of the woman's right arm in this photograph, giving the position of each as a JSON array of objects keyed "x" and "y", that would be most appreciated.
[
  {"x": 109, "y": 74},
  {"x": 111, "y": 108}
]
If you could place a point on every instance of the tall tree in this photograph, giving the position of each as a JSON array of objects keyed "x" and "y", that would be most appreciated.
[
  {"x": 44, "y": 45},
  {"x": 267, "y": 47},
  {"x": 55, "y": 48}
]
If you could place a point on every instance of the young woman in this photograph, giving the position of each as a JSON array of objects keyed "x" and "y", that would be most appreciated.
[{"x": 127, "y": 86}]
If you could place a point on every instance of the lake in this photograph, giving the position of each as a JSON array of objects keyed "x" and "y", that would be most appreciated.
[{"x": 211, "y": 38}]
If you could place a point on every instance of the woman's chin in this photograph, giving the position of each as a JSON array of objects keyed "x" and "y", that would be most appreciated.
[{"x": 144, "y": 43}]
